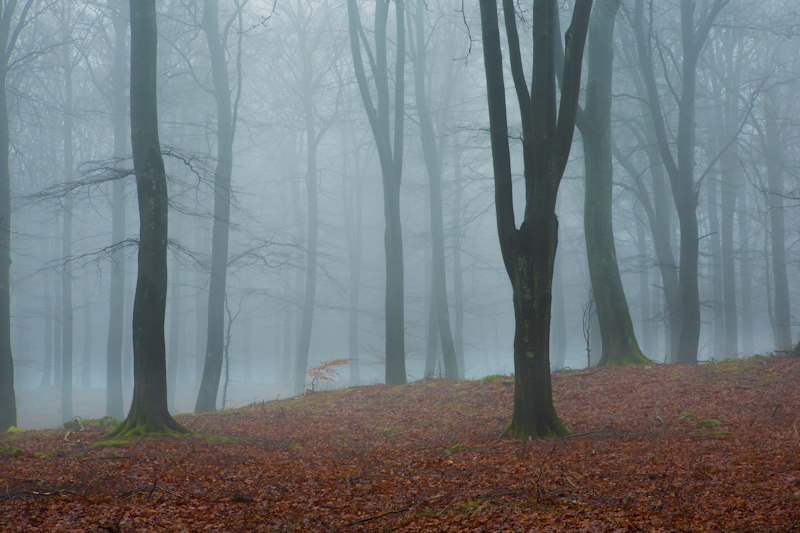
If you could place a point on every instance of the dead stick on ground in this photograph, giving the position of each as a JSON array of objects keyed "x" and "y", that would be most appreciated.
[{"x": 373, "y": 517}]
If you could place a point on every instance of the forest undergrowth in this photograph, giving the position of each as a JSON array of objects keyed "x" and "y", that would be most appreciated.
[{"x": 666, "y": 448}]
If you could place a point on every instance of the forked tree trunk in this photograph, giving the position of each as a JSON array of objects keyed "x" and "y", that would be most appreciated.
[
  {"x": 390, "y": 154},
  {"x": 149, "y": 412},
  {"x": 529, "y": 251}
]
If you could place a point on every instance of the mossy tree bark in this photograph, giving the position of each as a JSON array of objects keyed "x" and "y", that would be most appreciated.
[
  {"x": 149, "y": 413},
  {"x": 620, "y": 347},
  {"x": 529, "y": 251}
]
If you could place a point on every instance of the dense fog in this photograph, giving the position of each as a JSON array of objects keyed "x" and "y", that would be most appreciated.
[{"x": 266, "y": 94}]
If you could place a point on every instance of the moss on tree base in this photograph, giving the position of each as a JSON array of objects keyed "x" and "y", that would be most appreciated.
[
  {"x": 148, "y": 424},
  {"x": 633, "y": 357}
]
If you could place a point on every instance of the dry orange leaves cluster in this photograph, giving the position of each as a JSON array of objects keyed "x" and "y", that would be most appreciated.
[{"x": 667, "y": 448}]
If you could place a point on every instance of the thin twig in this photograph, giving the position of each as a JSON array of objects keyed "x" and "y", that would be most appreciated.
[{"x": 373, "y": 517}]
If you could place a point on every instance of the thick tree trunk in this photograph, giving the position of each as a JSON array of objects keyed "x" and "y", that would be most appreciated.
[
  {"x": 529, "y": 251},
  {"x": 212, "y": 370},
  {"x": 432, "y": 337},
  {"x": 729, "y": 165},
  {"x": 116, "y": 312},
  {"x": 149, "y": 412},
  {"x": 620, "y": 347}
]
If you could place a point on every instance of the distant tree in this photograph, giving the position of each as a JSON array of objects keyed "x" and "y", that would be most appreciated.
[
  {"x": 149, "y": 413},
  {"x": 11, "y": 24},
  {"x": 390, "y": 154},
  {"x": 529, "y": 251},
  {"x": 620, "y": 347}
]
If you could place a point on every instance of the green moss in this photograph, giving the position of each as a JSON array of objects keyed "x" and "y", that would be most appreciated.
[
  {"x": 13, "y": 429},
  {"x": 478, "y": 391},
  {"x": 41, "y": 454},
  {"x": 492, "y": 377},
  {"x": 676, "y": 377},
  {"x": 12, "y": 451},
  {"x": 686, "y": 414},
  {"x": 460, "y": 393},
  {"x": 454, "y": 449}
]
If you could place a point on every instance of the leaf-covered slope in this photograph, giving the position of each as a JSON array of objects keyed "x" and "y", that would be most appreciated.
[{"x": 428, "y": 457}]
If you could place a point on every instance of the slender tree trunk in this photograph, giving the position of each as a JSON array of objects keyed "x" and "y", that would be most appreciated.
[
  {"x": 47, "y": 300},
  {"x": 57, "y": 336},
  {"x": 116, "y": 312},
  {"x": 775, "y": 168},
  {"x": 304, "y": 344},
  {"x": 558, "y": 331},
  {"x": 149, "y": 412},
  {"x": 66, "y": 242},
  {"x": 8, "y": 399},
  {"x": 458, "y": 282},
  {"x": 729, "y": 165},
  {"x": 352, "y": 195},
  {"x": 432, "y": 164},
  {"x": 744, "y": 272},
  {"x": 432, "y": 338},
  {"x": 390, "y": 154},
  {"x": 174, "y": 334},
  {"x": 620, "y": 347},
  {"x": 86, "y": 359},
  {"x": 201, "y": 308},
  {"x": 644, "y": 287},
  {"x": 212, "y": 370},
  {"x": 715, "y": 278}
]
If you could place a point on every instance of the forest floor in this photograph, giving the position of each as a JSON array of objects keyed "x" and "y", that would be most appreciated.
[{"x": 666, "y": 448}]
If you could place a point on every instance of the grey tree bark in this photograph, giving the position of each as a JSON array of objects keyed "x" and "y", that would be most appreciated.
[
  {"x": 390, "y": 154},
  {"x": 116, "y": 311},
  {"x": 174, "y": 333},
  {"x": 68, "y": 315},
  {"x": 529, "y": 251},
  {"x": 352, "y": 200},
  {"x": 86, "y": 356},
  {"x": 620, "y": 346},
  {"x": 432, "y": 159},
  {"x": 226, "y": 128},
  {"x": 9, "y": 33},
  {"x": 149, "y": 413}
]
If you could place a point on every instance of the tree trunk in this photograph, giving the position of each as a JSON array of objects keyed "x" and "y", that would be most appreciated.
[
  {"x": 57, "y": 337},
  {"x": 715, "y": 278},
  {"x": 86, "y": 359},
  {"x": 620, "y": 347},
  {"x": 66, "y": 237},
  {"x": 201, "y": 308},
  {"x": 174, "y": 334},
  {"x": 8, "y": 399},
  {"x": 390, "y": 154},
  {"x": 212, "y": 370},
  {"x": 432, "y": 164},
  {"x": 304, "y": 342},
  {"x": 644, "y": 287},
  {"x": 149, "y": 412},
  {"x": 116, "y": 312},
  {"x": 352, "y": 195},
  {"x": 744, "y": 272},
  {"x": 47, "y": 300},
  {"x": 775, "y": 167},
  {"x": 529, "y": 251},
  {"x": 458, "y": 282}
]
